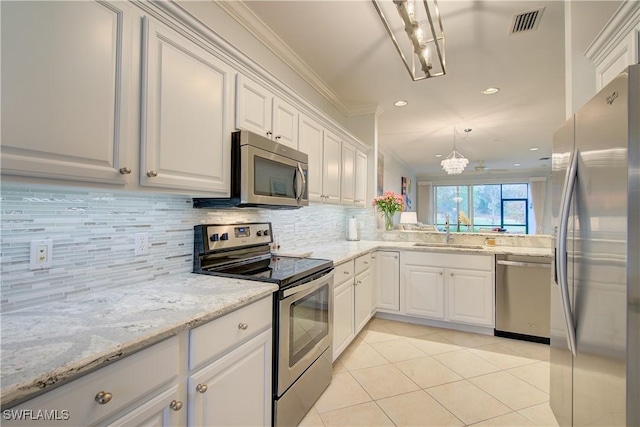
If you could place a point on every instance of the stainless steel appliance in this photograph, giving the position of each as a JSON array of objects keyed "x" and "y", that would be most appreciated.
[
  {"x": 303, "y": 309},
  {"x": 522, "y": 297},
  {"x": 263, "y": 174},
  {"x": 595, "y": 299}
]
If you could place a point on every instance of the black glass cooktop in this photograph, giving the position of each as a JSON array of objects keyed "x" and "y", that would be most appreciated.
[{"x": 277, "y": 269}]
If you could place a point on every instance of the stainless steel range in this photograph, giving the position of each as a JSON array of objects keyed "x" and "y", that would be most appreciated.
[{"x": 303, "y": 308}]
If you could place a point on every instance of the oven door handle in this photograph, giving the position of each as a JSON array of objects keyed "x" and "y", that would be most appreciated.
[
  {"x": 308, "y": 286},
  {"x": 301, "y": 182}
]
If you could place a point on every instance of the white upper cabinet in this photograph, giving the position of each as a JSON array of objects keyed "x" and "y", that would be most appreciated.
[
  {"x": 186, "y": 113},
  {"x": 285, "y": 123},
  {"x": 261, "y": 112},
  {"x": 348, "y": 174},
  {"x": 253, "y": 107},
  {"x": 311, "y": 142},
  {"x": 361, "y": 176},
  {"x": 66, "y": 68},
  {"x": 331, "y": 168}
]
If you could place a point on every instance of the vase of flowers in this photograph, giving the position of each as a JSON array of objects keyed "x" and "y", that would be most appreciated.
[{"x": 389, "y": 203}]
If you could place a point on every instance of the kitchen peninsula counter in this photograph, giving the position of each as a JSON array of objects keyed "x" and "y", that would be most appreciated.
[{"x": 57, "y": 342}]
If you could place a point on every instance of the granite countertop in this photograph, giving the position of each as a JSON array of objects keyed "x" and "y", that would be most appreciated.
[{"x": 45, "y": 347}]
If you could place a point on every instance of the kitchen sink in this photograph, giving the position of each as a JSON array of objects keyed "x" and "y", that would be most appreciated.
[{"x": 449, "y": 245}]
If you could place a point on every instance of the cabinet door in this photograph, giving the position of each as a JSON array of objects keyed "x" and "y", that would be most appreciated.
[
  {"x": 310, "y": 142},
  {"x": 424, "y": 291},
  {"x": 331, "y": 168},
  {"x": 253, "y": 107},
  {"x": 343, "y": 317},
  {"x": 361, "y": 179},
  {"x": 66, "y": 68},
  {"x": 387, "y": 280},
  {"x": 235, "y": 389},
  {"x": 285, "y": 123},
  {"x": 186, "y": 132},
  {"x": 362, "y": 296},
  {"x": 166, "y": 409},
  {"x": 347, "y": 193},
  {"x": 470, "y": 297}
]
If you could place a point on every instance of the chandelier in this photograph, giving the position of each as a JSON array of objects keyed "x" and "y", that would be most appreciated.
[
  {"x": 455, "y": 162},
  {"x": 422, "y": 42}
]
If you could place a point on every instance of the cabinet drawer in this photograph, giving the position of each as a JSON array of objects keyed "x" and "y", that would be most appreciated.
[
  {"x": 363, "y": 262},
  {"x": 226, "y": 332},
  {"x": 343, "y": 273},
  {"x": 126, "y": 380},
  {"x": 443, "y": 260}
]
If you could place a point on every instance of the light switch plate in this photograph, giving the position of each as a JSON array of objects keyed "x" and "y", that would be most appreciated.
[{"x": 41, "y": 254}]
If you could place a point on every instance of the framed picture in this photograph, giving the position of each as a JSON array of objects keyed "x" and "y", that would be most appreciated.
[
  {"x": 279, "y": 187},
  {"x": 406, "y": 192}
]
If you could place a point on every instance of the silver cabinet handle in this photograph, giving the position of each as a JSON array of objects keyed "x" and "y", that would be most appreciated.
[
  {"x": 202, "y": 388},
  {"x": 152, "y": 174},
  {"x": 243, "y": 326},
  {"x": 103, "y": 398},
  {"x": 524, "y": 264},
  {"x": 175, "y": 405},
  {"x": 125, "y": 171}
]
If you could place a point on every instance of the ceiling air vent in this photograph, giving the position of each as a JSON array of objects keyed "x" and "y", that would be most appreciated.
[{"x": 526, "y": 21}]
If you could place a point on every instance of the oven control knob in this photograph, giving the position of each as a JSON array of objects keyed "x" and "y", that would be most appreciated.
[
  {"x": 259, "y": 233},
  {"x": 225, "y": 236},
  {"x": 265, "y": 232},
  {"x": 214, "y": 237}
]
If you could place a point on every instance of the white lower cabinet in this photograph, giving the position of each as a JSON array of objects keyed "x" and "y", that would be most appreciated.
[
  {"x": 424, "y": 291},
  {"x": 436, "y": 287},
  {"x": 352, "y": 301},
  {"x": 235, "y": 389},
  {"x": 387, "y": 280},
  {"x": 164, "y": 410},
  {"x": 231, "y": 385}
]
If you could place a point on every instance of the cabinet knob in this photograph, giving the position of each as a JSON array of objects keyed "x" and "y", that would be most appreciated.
[
  {"x": 373, "y": 257},
  {"x": 366, "y": 263},
  {"x": 269, "y": 133},
  {"x": 441, "y": 273},
  {"x": 395, "y": 257},
  {"x": 345, "y": 272},
  {"x": 451, "y": 274},
  {"x": 243, "y": 326},
  {"x": 358, "y": 282},
  {"x": 103, "y": 398},
  {"x": 279, "y": 136},
  {"x": 175, "y": 405},
  {"x": 202, "y": 388},
  {"x": 152, "y": 174},
  {"x": 125, "y": 171}
]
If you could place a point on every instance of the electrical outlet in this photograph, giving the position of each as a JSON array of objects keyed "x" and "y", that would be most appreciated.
[
  {"x": 41, "y": 254},
  {"x": 142, "y": 243}
]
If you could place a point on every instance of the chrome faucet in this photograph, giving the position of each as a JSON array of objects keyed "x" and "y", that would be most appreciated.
[{"x": 446, "y": 228}]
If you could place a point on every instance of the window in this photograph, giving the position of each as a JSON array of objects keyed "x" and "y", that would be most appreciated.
[{"x": 493, "y": 205}]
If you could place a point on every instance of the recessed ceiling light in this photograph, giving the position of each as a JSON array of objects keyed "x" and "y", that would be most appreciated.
[
  {"x": 516, "y": 164},
  {"x": 400, "y": 103},
  {"x": 534, "y": 148},
  {"x": 490, "y": 90},
  {"x": 438, "y": 155}
]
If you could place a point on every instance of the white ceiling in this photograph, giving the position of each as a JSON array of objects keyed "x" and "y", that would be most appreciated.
[{"x": 346, "y": 45}]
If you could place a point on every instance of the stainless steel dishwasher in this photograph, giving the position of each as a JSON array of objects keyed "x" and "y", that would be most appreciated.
[{"x": 523, "y": 297}]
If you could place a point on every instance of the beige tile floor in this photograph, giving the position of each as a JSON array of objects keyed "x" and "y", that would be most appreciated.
[{"x": 404, "y": 374}]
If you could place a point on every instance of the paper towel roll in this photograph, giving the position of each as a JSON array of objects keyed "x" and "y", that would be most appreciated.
[{"x": 352, "y": 229}]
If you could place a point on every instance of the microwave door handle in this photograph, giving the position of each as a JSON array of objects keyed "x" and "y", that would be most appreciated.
[{"x": 301, "y": 182}]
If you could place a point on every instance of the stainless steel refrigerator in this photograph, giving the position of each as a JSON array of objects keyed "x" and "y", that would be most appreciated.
[{"x": 595, "y": 291}]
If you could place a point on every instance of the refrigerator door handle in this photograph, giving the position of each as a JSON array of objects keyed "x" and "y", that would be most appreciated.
[{"x": 561, "y": 246}]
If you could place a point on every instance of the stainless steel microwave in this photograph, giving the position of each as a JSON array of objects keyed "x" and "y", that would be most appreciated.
[{"x": 264, "y": 173}]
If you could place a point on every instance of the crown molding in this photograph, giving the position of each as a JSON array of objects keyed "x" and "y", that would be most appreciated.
[
  {"x": 361, "y": 110},
  {"x": 621, "y": 23},
  {"x": 252, "y": 23}
]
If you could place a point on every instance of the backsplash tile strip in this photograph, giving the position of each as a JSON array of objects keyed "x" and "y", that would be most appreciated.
[{"x": 93, "y": 235}]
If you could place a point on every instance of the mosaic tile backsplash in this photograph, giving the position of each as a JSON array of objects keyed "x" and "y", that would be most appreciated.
[{"x": 93, "y": 234}]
